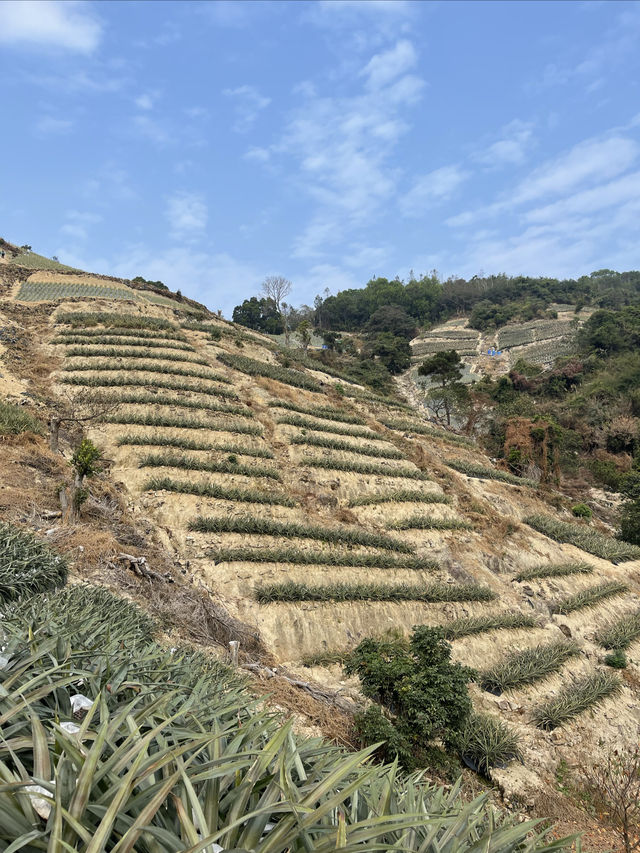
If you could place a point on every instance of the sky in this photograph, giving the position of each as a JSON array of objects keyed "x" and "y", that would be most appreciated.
[{"x": 211, "y": 144}]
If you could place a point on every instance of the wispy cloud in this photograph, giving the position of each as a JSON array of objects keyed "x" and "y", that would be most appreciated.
[
  {"x": 69, "y": 25},
  {"x": 511, "y": 149},
  {"x": 248, "y": 103},
  {"x": 431, "y": 188},
  {"x": 53, "y": 126},
  {"x": 187, "y": 214},
  {"x": 387, "y": 66}
]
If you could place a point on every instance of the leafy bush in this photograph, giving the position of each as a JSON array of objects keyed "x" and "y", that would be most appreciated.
[
  {"x": 188, "y": 463},
  {"x": 330, "y": 413},
  {"x": 141, "y": 367},
  {"x": 581, "y": 511},
  {"x": 620, "y": 634},
  {"x": 292, "y": 529},
  {"x": 213, "y": 490},
  {"x": 401, "y": 496},
  {"x": 180, "y": 403},
  {"x": 528, "y": 666},
  {"x": 291, "y": 591},
  {"x": 467, "y": 625},
  {"x": 15, "y": 420},
  {"x": 327, "y": 557},
  {"x": 27, "y": 566},
  {"x": 335, "y": 444},
  {"x": 260, "y": 368},
  {"x": 585, "y": 538},
  {"x": 111, "y": 381},
  {"x": 192, "y": 444},
  {"x": 425, "y": 522},
  {"x": 488, "y": 742},
  {"x": 554, "y": 570},
  {"x": 296, "y": 420},
  {"x": 573, "y": 699},
  {"x": 590, "y": 596},
  {"x": 130, "y": 353},
  {"x": 176, "y": 422},
  {"x": 424, "y": 693},
  {"x": 86, "y": 319},
  {"x": 616, "y": 659},
  {"x": 471, "y": 469},
  {"x": 365, "y": 468}
]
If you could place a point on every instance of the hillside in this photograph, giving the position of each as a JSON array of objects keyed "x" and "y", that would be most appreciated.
[{"x": 299, "y": 514}]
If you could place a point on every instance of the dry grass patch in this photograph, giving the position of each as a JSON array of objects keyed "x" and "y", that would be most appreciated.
[
  {"x": 469, "y": 625},
  {"x": 111, "y": 381},
  {"x": 149, "y": 419},
  {"x": 621, "y": 633},
  {"x": 329, "y": 413},
  {"x": 192, "y": 444},
  {"x": 482, "y": 472},
  {"x": 292, "y": 529},
  {"x": 337, "y": 444},
  {"x": 180, "y": 402},
  {"x": 188, "y": 463},
  {"x": 290, "y": 591},
  {"x": 305, "y": 423},
  {"x": 585, "y": 538},
  {"x": 145, "y": 368},
  {"x": 252, "y": 367},
  {"x": 425, "y": 522},
  {"x": 553, "y": 570},
  {"x": 84, "y": 336},
  {"x": 364, "y": 468},
  {"x": 86, "y": 319},
  {"x": 422, "y": 429},
  {"x": 400, "y": 496},
  {"x": 299, "y": 557},
  {"x": 130, "y": 353},
  {"x": 213, "y": 490},
  {"x": 78, "y": 341}
]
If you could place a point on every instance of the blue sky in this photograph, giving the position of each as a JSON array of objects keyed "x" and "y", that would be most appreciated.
[{"x": 212, "y": 144}]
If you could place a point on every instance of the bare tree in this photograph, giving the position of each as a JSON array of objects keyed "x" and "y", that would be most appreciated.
[
  {"x": 614, "y": 788},
  {"x": 71, "y": 409},
  {"x": 276, "y": 287}
]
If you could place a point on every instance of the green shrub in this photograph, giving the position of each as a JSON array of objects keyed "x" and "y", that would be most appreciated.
[
  {"x": 581, "y": 511},
  {"x": 365, "y": 468},
  {"x": 291, "y": 529},
  {"x": 141, "y": 367},
  {"x": 15, "y": 420},
  {"x": 584, "y": 537},
  {"x": 620, "y": 634},
  {"x": 590, "y": 596},
  {"x": 106, "y": 340},
  {"x": 187, "y": 463},
  {"x": 528, "y": 666},
  {"x": 130, "y": 353},
  {"x": 488, "y": 742},
  {"x": 305, "y": 423},
  {"x": 573, "y": 699},
  {"x": 467, "y": 625},
  {"x": 425, "y": 522},
  {"x": 191, "y": 444},
  {"x": 273, "y": 371},
  {"x": 401, "y": 496},
  {"x": 335, "y": 444},
  {"x": 86, "y": 319},
  {"x": 213, "y": 490},
  {"x": 330, "y": 413},
  {"x": 325, "y": 557},
  {"x": 176, "y": 422},
  {"x": 616, "y": 659},
  {"x": 554, "y": 570},
  {"x": 27, "y": 566},
  {"x": 180, "y": 403},
  {"x": 425, "y": 694},
  {"x": 290, "y": 591},
  {"x": 471, "y": 469},
  {"x": 111, "y": 381}
]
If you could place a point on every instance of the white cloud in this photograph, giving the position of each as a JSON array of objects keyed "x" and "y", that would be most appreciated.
[
  {"x": 433, "y": 187},
  {"x": 385, "y": 67},
  {"x": 588, "y": 201},
  {"x": 53, "y": 126},
  {"x": 151, "y": 129},
  {"x": 512, "y": 147},
  {"x": 249, "y": 103},
  {"x": 69, "y": 25},
  {"x": 145, "y": 101},
  {"x": 187, "y": 214},
  {"x": 259, "y": 155}
]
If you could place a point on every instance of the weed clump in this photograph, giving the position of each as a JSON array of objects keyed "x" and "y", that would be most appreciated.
[
  {"x": 336, "y": 444},
  {"x": 15, "y": 420},
  {"x": 589, "y": 597},
  {"x": 584, "y": 537},
  {"x": 290, "y": 591},
  {"x": 187, "y": 463},
  {"x": 528, "y": 666},
  {"x": 213, "y": 490},
  {"x": 575, "y": 698},
  {"x": 553, "y": 570},
  {"x": 27, "y": 566},
  {"x": 365, "y": 468}
]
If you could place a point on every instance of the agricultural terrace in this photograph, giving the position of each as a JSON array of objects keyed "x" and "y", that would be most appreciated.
[{"x": 323, "y": 519}]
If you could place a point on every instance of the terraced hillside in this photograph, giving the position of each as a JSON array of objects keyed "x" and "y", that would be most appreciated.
[{"x": 318, "y": 515}]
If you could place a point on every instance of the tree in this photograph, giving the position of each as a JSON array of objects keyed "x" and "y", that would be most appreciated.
[
  {"x": 445, "y": 401},
  {"x": 75, "y": 409},
  {"x": 304, "y": 333},
  {"x": 394, "y": 352},
  {"x": 259, "y": 314},
  {"x": 424, "y": 693},
  {"x": 277, "y": 288},
  {"x": 393, "y": 319},
  {"x": 85, "y": 464},
  {"x": 445, "y": 367},
  {"x": 614, "y": 788}
]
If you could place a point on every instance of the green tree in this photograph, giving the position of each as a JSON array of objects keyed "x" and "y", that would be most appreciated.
[
  {"x": 393, "y": 351},
  {"x": 394, "y": 319},
  {"x": 449, "y": 400},
  {"x": 424, "y": 693},
  {"x": 445, "y": 367},
  {"x": 85, "y": 462},
  {"x": 259, "y": 314},
  {"x": 304, "y": 333}
]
